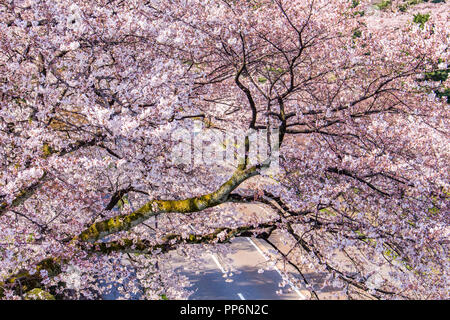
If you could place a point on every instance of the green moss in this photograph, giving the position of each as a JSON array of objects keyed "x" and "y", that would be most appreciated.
[
  {"x": 151, "y": 208},
  {"x": 403, "y": 7},
  {"x": 30, "y": 282},
  {"x": 262, "y": 80},
  {"x": 433, "y": 210},
  {"x": 20, "y": 101},
  {"x": 38, "y": 294},
  {"x": 51, "y": 265},
  {"x": 46, "y": 150},
  {"x": 445, "y": 93},
  {"x": 437, "y": 75},
  {"x": 113, "y": 223},
  {"x": 328, "y": 211},
  {"x": 383, "y": 5},
  {"x": 357, "y": 34},
  {"x": 275, "y": 70},
  {"x": 122, "y": 202},
  {"x": 421, "y": 19},
  {"x": 30, "y": 238}
]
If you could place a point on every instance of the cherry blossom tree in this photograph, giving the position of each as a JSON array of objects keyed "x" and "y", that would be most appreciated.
[{"x": 351, "y": 99}]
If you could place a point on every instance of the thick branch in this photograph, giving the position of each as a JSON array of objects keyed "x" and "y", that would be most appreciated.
[
  {"x": 24, "y": 281},
  {"x": 152, "y": 208},
  {"x": 171, "y": 241}
]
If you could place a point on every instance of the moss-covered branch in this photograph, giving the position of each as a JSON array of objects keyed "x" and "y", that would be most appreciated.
[
  {"x": 23, "y": 281},
  {"x": 171, "y": 241},
  {"x": 152, "y": 208}
]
